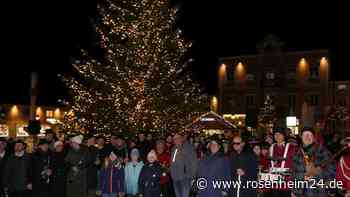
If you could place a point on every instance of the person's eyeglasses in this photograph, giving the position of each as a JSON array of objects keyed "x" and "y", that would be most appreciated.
[{"x": 236, "y": 143}]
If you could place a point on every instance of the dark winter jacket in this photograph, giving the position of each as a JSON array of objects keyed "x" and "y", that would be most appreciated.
[
  {"x": 183, "y": 163},
  {"x": 41, "y": 162},
  {"x": 320, "y": 154},
  {"x": 149, "y": 180},
  {"x": 77, "y": 162},
  {"x": 112, "y": 180},
  {"x": 17, "y": 174},
  {"x": 59, "y": 170},
  {"x": 92, "y": 168},
  {"x": 248, "y": 162},
  {"x": 3, "y": 162},
  {"x": 213, "y": 168}
]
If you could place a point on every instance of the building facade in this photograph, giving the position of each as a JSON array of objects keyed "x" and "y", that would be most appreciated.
[
  {"x": 291, "y": 79},
  {"x": 14, "y": 119}
]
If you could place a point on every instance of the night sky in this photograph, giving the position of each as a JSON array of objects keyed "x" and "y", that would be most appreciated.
[{"x": 45, "y": 37}]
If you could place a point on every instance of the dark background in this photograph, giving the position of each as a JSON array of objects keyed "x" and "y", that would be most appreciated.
[{"x": 45, "y": 36}]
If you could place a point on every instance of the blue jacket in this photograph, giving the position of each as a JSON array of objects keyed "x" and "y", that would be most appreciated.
[
  {"x": 214, "y": 168},
  {"x": 132, "y": 174},
  {"x": 117, "y": 184}
]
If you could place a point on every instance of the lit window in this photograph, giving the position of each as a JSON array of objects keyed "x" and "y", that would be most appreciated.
[{"x": 49, "y": 114}]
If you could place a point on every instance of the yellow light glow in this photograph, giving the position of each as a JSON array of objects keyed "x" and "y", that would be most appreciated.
[
  {"x": 323, "y": 63},
  {"x": 14, "y": 111},
  {"x": 57, "y": 113},
  {"x": 222, "y": 71},
  {"x": 240, "y": 71},
  {"x": 214, "y": 104},
  {"x": 39, "y": 111},
  {"x": 240, "y": 67}
]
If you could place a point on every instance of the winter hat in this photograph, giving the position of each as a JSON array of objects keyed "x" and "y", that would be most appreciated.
[
  {"x": 153, "y": 154},
  {"x": 308, "y": 129},
  {"x": 280, "y": 130},
  {"x": 42, "y": 142},
  {"x": 58, "y": 143},
  {"x": 135, "y": 152},
  {"x": 77, "y": 139}
]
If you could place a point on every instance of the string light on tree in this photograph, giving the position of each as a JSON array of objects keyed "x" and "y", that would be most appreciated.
[{"x": 140, "y": 83}]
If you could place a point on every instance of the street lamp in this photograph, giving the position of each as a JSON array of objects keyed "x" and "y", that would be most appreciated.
[{"x": 292, "y": 123}]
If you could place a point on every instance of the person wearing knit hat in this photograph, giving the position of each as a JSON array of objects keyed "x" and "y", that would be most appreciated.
[
  {"x": 78, "y": 139},
  {"x": 78, "y": 158},
  {"x": 132, "y": 173},
  {"x": 149, "y": 180}
]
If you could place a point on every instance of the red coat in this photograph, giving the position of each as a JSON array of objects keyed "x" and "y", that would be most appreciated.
[
  {"x": 278, "y": 152},
  {"x": 341, "y": 170},
  {"x": 164, "y": 160},
  {"x": 264, "y": 162}
]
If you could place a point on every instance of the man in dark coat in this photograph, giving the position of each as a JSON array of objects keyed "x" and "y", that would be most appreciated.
[
  {"x": 93, "y": 167},
  {"x": 17, "y": 177},
  {"x": 3, "y": 160},
  {"x": 77, "y": 160},
  {"x": 143, "y": 145},
  {"x": 41, "y": 169},
  {"x": 58, "y": 179},
  {"x": 307, "y": 166},
  {"x": 214, "y": 167},
  {"x": 118, "y": 146},
  {"x": 183, "y": 165},
  {"x": 244, "y": 166}
]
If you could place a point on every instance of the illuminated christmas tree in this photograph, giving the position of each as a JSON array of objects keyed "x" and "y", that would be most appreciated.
[{"x": 143, "y": 81}]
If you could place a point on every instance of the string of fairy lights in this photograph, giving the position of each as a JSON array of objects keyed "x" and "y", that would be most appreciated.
[{"x": 140, "y": 85}]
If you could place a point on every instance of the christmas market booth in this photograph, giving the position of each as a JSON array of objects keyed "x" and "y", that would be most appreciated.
[{"x": 210, "y": 123}]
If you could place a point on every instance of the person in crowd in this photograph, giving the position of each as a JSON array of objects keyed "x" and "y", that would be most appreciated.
[
  {"x": 281, "y": 156},
  {"x": 118, "y": 146},
  {"x": 78, "y": 159},
  {"x": 3, "y": 160},
  {"x": 244, "y": 166},
  {"x": 17, "y": 179},
  {"x": 183, "y": 166},
  {"x": 51, "y": 138},
  {"x": 307, "y": 165},
  {"x": 143, "y": 145},
  {"x": 112, "y": 177},
  {"x": 93, "y": 167},
  {"x": 149, "y": 180},
  {"x": 150, "y": 140},
  {"x": 269, "y": 139},
  {"x": 58, "y": 178},
  {"x": 214, "y": 167},
  {"x": 169, "y": 143},
  {"x": 257, "y": 150},
  {"x": 42, "y": 169},
  {"x": 343, "y": 169},
  {"x": 101, "y": 147},
  {"x": 132, "y": 173},
  {"x": 164, "y": 161},
  {"x": 264, "y": 157},
  {"x": 132, "y": 143},
  {"x": 199, "y": 148},
  {"x": 226, "y": 148}
]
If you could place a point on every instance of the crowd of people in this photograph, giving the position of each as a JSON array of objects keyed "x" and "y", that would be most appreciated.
[{"x": 152, "y": 166}]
